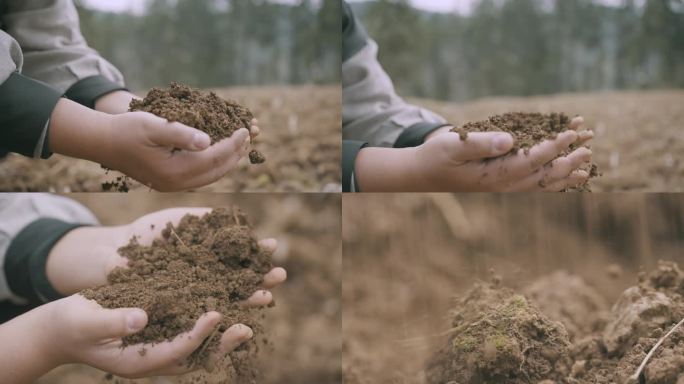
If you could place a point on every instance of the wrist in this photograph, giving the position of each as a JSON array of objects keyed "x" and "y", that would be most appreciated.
[
  {"x": 115, "y": 103},
  {"x": 92, "y": 249},
  {"x": 386, "y": 169},
  {"x": 79, "y": 132},
  {"x": 437, "y": 132}
]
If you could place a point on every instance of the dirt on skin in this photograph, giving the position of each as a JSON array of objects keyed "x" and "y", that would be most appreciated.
[
  {"x": 205, "y": 111},
  {"x": 204, "y": 264},
  {"x": 498, "y": 336},
  {"x": 528, "y": 130}
]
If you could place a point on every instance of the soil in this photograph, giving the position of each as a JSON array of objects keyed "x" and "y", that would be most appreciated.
[
  {"x": 406, "y": 256},
  {"x": 498, "y": 336},
  {"x": 528, "y": 130},
  {"x": 205, "y": 111},
  {"x": 204, "y": 264}
]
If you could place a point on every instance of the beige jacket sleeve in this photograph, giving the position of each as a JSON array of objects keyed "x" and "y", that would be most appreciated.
[
  {"x": 54, "y": 50},
  {"x": 43, "y": 56}
]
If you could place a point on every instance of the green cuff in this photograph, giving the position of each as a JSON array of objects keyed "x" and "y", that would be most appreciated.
[
  {"x": 350, "y": 149},
  {"x": 26, "y": 259},
  {"x": 87, "y": 91},
  {"x": 415, "y": 135},
  {"x": 26, "y": 106}
]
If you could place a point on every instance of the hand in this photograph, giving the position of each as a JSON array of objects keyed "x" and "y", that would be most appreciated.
[
  {"x": 162, "y": 155},
  {"x": 79, "y": 330},
  {"x": 540, "y": 169},
  {"x": 94, "y": 250}
]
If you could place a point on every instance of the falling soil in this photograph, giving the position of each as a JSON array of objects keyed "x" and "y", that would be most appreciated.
[
  {"x": 500, "y": 336},
  {"x": 204, "y": 264},
  {"x": 205, "y": 111},
  {"x": 528, "y": 130}
]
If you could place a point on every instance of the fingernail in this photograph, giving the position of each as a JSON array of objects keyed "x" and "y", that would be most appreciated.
[
  {"x": 136, "y": 320},
  {"x": 503, "y": 142},
  {"x": 201, "y": 140}
]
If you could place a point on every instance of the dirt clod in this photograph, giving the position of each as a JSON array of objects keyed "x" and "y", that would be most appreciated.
[
  {"x": 208, "y": 263},
  {"x": 498, "y": 336},
  {"x": 509, "y": 341}
]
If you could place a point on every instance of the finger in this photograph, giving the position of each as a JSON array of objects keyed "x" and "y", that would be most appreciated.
[
  {"x": 254, "y": 131},
  {"x": 478, "y": 145},
  {"x": 212, "y": 164},
  {"x": 114, "y": 323},
  {"x": 212, "y": 175},
  {"x": 178, "y": 135},
  {"x": 233, "y": 337},
  {"x": 269, "y": 245},
  {"x": 274, "y": 277},
  {"x": 576, "y": 123},
  {"x": 584, "y": 137},
  {"x": 259, "y": 298},
  {"x": 523, "y": 165},
  {"x": 556, "y": 170},
  {"x": 576, "y": 178},
  {"x": 170, "y": 355}
]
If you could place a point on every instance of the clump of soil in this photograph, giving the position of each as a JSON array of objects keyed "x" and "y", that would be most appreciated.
[
  {"x": 567, "y": 299},
  {"x": 498, "y": 336},
  {"x": 205, "y": 111},
  {"x": 527, "y": 129},
  {"x": 204, "y": 264}
]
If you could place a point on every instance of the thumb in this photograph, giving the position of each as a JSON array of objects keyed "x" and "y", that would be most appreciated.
[
  {"x": 480, "y": 145},
  {"x": 115, "y": 323},
  {"x": 178, "y": 135}
]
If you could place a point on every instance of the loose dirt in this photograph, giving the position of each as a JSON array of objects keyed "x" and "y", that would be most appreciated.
[
  {"x": 528, "y": 130},
  {"x": 204, "y": 264},
  {"x": 500, "y": 336},
  {"x": 205, "y": 111}
]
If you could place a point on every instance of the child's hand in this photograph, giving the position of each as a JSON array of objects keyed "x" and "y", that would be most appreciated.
[
  {"x": 162, "y": 155},
  {"x": 447, "y": 163},
  {"x": 94, "y": 250},
  {"x": 81, "y": 331}
]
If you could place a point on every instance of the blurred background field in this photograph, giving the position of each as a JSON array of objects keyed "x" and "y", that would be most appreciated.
[
  {"x": 618, "y": 63},
  {"x": 407, "y": 256},
  {"x": 303, "y": 328},
  {"x": 281, "y": 59}
]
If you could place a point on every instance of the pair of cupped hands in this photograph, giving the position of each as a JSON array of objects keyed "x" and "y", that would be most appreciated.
[{"x": 84, "y": 332}]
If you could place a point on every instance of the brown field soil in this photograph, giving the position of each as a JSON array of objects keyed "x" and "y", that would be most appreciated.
[
  {"x": 208, "y": 263},
  {"x": 418, "y": 308},
  {"x": 639, "y": 142},
  {"x": 300, "y": 137},
  {"x": 303, "y": 329}
]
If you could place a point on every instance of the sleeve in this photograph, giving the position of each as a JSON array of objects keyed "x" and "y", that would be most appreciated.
[
  {"x": 25, "y": 104},
  {"x": 30, "y": 225},
  {"x": 55, "y": 51},
  {"x": 373, "y": 114}
]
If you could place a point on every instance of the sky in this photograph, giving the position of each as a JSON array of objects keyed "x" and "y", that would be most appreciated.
[
  {"x": 464, "y": 6},
  {"x": 460, "y": 6},
  {"x": 136, "y": 6}
]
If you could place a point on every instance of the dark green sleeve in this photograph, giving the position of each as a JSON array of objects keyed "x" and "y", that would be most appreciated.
[
  {"x": 26, "y": 259},
  {"x": 415, "y": 135},
  {"x": 87, "y": 91},
  {"x": 350, "y": 149},
  {"x": 25, "y": 108}
]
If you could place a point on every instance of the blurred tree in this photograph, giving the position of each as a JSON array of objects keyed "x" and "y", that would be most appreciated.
[
  {"x": 209, "y": 43},
  {"x": 525, "y": 47}
]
